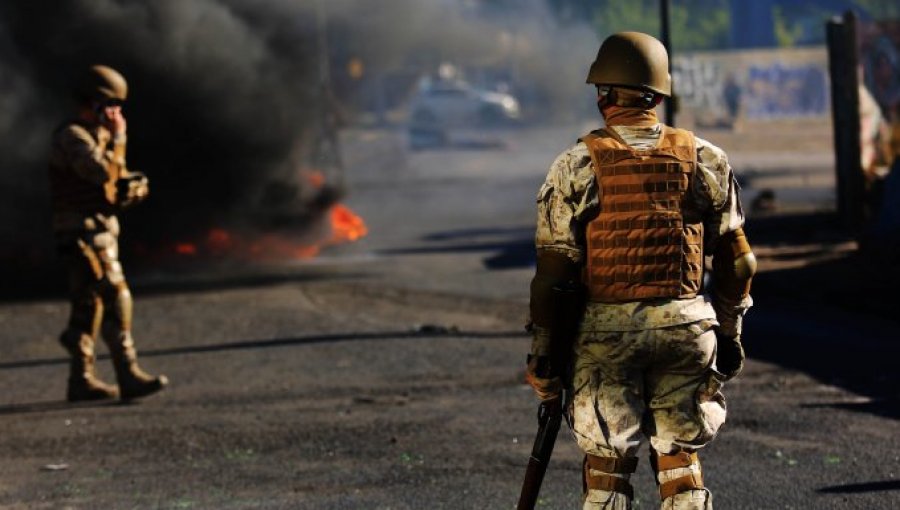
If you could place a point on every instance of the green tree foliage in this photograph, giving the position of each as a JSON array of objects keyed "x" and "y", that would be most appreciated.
[
  {"x": 803, "y": 24},
  {"x": 705, "y": 24},
  {"x": 881, "y": 9},
  {"x": 695, "y": 24},
  {"x": 700, "y": 24}
]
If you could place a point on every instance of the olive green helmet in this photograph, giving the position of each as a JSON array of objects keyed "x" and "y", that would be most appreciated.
[
  {"x": 102, "y": 83},
  {"x": 633, "y": 60}
]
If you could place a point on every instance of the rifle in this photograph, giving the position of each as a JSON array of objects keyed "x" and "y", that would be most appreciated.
[
  {"x": 549, "y": 419},
  {"x": 568, "y": 307}
]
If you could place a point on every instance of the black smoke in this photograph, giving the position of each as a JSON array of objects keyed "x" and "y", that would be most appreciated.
[
  {"x": 223, "y": 107},
  {"x": 226, "y": 104}
]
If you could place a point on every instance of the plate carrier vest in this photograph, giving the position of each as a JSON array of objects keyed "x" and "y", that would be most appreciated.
[{"x": 647, "y": 241}]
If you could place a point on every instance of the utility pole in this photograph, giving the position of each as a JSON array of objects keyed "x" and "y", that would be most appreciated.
[
  {"x": 842, "y": 64},
  {"x": 669, "y": 104},
  {"x": 326, "y": 151}
]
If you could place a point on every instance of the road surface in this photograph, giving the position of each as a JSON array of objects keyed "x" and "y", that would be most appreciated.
[{"x": 388, "y": 373}]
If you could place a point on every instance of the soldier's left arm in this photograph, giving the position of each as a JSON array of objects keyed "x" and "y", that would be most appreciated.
[
  {"x": 132, "y": 187},
  {"x": 733, "y": 261}
]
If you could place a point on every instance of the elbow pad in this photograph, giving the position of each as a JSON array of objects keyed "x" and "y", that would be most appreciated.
[{"x": 733, "y": 265}]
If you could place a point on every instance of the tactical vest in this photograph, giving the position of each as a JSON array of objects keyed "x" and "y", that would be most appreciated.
[
  {"x": 647, "y": 241},
  {"x": 70, "y": 193}
]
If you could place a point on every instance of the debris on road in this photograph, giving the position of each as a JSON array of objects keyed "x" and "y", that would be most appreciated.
[{"x": 55, "y": 467}]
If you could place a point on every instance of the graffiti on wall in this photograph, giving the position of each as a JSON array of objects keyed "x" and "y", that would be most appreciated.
[
  {"x": 721, "y": 87},
  {"x": 699, "y": 82},
  {"x": 780, "y": 91}
]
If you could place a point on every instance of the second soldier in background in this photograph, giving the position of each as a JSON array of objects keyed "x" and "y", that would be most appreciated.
[{"x": 90, "y": 185}]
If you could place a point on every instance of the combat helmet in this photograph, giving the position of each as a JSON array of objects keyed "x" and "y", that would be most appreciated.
[
  {"x": 103, "y": 83},
  {"x": 632, "y": 60}
]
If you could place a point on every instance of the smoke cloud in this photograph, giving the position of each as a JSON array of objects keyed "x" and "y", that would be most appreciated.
[{"x": 225, "y": 106}]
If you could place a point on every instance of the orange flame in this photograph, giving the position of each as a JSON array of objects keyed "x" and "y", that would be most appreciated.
[
  {"x": 186, "y": 249},
  {"x": 219, "y": 241},
  {"x": 315, "y": 178},
  {"x": 346, "y": 226}
]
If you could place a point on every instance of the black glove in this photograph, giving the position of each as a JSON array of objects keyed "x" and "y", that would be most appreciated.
[{"x": 729, "y": 355}]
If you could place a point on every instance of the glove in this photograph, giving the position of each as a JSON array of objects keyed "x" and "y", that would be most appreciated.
[
  {"x": 132, "y": 189},
  {"x": 729, "y": 355},
  {"x": 535, "y": 373}
]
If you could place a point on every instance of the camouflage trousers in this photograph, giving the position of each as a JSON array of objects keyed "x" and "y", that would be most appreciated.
[
  {"x": 100, "y": 299},
  {"x": 655, "y": 384}
]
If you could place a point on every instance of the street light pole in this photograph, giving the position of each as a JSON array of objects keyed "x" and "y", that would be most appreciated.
[
  {"x": 669, "y": 104},
  {"x": 326, "y": 152}
]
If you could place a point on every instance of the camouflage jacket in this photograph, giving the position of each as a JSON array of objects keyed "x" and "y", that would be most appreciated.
[
  {"x": 569, "y": 199},
  {"x": 93, "y": 157}
]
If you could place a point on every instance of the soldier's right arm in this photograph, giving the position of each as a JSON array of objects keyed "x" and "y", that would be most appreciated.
[
  {"x": 85, "y": 155},
  {"x": 567, "y": 194}
]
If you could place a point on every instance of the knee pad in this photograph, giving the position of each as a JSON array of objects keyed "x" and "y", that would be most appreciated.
[
  {"x": 119, "y": 304},
  {"x": 598, "y": 474},
  {"x": 681, "y": 472}
]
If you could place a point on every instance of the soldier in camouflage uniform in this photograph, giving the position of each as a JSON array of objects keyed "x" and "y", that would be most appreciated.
[
  {"x": 630, "y": 212},
  {"x": 90, "y": 184}
]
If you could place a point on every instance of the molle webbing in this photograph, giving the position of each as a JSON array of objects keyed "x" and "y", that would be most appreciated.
[{"x": 642, "y": 245}]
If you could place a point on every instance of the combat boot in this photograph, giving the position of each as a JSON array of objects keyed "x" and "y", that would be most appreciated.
[
  {"x": 133, "y": 382},
  {"x": 83, "y": 382}
]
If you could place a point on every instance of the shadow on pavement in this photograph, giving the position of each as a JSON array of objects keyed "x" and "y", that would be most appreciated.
[
  {"x": 854, "y": 488},
  {"x": 422, "y": 332},
  {"x": 888, "y": 407},
  {"x": 833, "y": 317},
  {"x": 509, "y": 247},
  {"x": 51, "y": 284},
  {"x": 56, "y": 405}
]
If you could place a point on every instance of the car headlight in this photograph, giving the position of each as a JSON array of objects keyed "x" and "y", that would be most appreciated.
[{"x": 509, "y": 104}]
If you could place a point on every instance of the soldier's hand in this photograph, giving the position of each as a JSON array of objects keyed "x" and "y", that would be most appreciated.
[
  {"x": 133, "y": 189},
  {"x": 729, "y": 355},
  {"x": 544, "y": 387},
  {"x": 115, "y": 120}
]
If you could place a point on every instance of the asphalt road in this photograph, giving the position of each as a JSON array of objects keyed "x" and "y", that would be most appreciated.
[{"x": 387, "y": 374}]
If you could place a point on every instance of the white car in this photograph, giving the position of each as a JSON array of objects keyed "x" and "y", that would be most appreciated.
[{"x": 441, "y": 105}]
